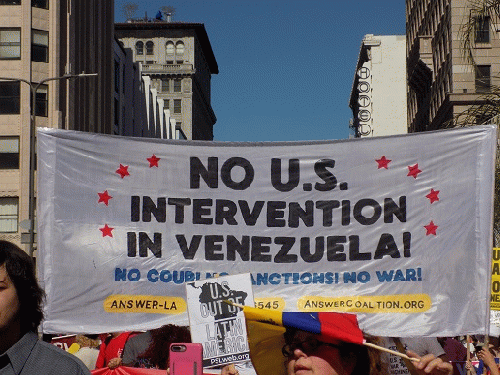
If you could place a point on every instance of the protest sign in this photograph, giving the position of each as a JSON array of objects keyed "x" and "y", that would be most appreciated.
[
  {"x": 395, "y": 229},
  {"x": 217, "y": 325},
  {"x": 495, "y": 279}
]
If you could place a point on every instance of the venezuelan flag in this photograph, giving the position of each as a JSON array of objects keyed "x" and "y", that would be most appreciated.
[{"x": 265, "y": 329}]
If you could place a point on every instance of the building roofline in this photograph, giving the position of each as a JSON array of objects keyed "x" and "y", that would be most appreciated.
[
  {"x": 368, "y": 41},
  {"x": 199, "y": 29}
]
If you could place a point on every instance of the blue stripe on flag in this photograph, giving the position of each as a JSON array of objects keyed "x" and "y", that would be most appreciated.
[{"x": 305, "y": 321}]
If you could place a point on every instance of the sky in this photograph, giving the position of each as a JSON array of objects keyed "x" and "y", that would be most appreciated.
[{"x": 286, "y": 68}]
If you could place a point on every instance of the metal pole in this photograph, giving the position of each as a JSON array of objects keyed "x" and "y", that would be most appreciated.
[
  {"x": 34, "y": 89},
  {"x": 31, "y": 206},
  {"x": 31, "y": 203}
]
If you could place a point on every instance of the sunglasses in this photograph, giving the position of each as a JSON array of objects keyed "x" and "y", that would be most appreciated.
[{"x": 308, "y": 346}]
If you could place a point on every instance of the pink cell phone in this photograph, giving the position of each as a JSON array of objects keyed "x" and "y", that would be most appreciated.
[{"x": 186, "y": 359}]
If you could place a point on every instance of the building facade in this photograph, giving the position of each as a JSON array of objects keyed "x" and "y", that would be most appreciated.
[
  {"x": 378, "y": 95},
  {"x": 176, "y": 64},
  {"x": 42, "y": 39},
  {"x": 442, "y": 84}
]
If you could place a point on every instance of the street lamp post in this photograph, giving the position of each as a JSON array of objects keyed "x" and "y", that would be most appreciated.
[{"x": 34, "y": 88}]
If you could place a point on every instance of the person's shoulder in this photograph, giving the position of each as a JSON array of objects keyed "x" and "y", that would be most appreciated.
[
  {"x": 140, "y": 336},
  {"x": 139, "y": 339},
  {"x": 425, "y": 345},
  {"x": 59, "y": 358}
]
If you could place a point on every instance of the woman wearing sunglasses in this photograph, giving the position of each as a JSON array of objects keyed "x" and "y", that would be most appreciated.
[{"x": 310, "y": 354}]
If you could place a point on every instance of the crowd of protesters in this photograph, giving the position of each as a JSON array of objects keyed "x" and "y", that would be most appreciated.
[{"x": 23, "y": 353}]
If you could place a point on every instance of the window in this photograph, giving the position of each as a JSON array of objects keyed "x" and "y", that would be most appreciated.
[
  {"x": 179, "y": 134},
  {"x": 9, "y": 213},
  {"x": 170, "y": 48},
  {"x": 40, "y": 46},
  {"x": 10, "y": 2},
  {"x": 170, "y": 62},
  {"x": 150, "y": 48},
  {"x": 482, "y": 25},
  {"x": 9, "y": 152},
  {"x": 179, "y": 48},
  {"x": 10, "y": 43},
  {"x": 177, "y": 85},
  {"x": 123, "y": 79},
  {"x": 41, "y": 108},
  {"x": 44, "y": 4},
  {"x": 9, "y": 98},
  {"x": 482, "y": 119},
  {"x": 165, "y": 85},
  {"x": 483, "y": 83},
  {"x": 116, "y": 128},
  {"x": 179, "y": 62},
  {"x": 177, "y": 106},
  {"x": 117, "y": 76},
  {"x": 166, "y": 104},
  {"x": 139, "y": 48}
]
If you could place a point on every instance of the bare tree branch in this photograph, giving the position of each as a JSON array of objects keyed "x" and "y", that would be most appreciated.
[{"x": 129, "y": 10}]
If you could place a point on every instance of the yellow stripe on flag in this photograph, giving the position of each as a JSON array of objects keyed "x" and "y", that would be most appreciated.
[{"x": 263, "y": 315}]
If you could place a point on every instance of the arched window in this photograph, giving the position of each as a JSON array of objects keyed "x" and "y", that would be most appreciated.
[
  {"x": 150, "y": 48},
  {"x": 139, "y": 48},
  {"x": 179, "y": 48},
  {"x": 170, "y": 48}
]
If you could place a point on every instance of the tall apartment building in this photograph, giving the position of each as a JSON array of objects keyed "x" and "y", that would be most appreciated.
[
  {"x": 42, "y": 39},
  {"x": 378, "y": 95},
  {"x": 176, "y": 63},
  {"x": 441, "y": 83}
]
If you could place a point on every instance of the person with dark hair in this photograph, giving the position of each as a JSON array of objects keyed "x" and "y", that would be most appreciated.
[
  {"x": 21, "y": 298},
  {"x": 151, "y": 349}
]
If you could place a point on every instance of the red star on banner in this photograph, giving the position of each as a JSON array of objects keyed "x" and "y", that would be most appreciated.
[
  {"x": 413, "y": 170},
  {"x": 383, "y": 162},
  {"x": 106, "y": 231},
  {"x": 433, "y": 196},
  {"x": 431, "y": 228},
  {"x": 123, "y": 171},
  {"x": 153, "y": 161},
  {"x": 104, "y": 197}
]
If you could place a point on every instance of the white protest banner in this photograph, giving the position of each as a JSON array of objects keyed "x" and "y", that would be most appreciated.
[
  {"x": 217, "y": 325},
  {"x": 395, "y": 229}
]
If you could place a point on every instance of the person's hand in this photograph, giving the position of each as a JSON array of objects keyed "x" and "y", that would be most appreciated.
[
  {"x": 229, "y": 370},
  {"x": 488, "y": 359},
  {"x": 429, "y": 364},
  {"x": 114, "y": 363},
  {"x": 470, "y": 367}
]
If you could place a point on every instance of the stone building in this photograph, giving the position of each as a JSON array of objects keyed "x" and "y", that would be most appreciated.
[
  {"x": 41, "y": 39},
  {"x": 176, "y": 64},
  {"x": 441, "y": 82},
  {"x": 378, "y": 95}
]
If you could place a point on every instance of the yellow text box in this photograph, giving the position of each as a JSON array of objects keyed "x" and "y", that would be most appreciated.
[
  {"x": 398, "y": 303},
  {"x": 123, "y": 303},
  {"x": 271, "y": 303},
  {"x": 495, "y": 280}
]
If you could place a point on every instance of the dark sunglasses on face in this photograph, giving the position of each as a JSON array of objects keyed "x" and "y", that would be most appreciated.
[{"x": 308, "y": 346}]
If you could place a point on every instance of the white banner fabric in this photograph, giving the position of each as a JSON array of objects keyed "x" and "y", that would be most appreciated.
[{"x": 395, "y": 229}]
